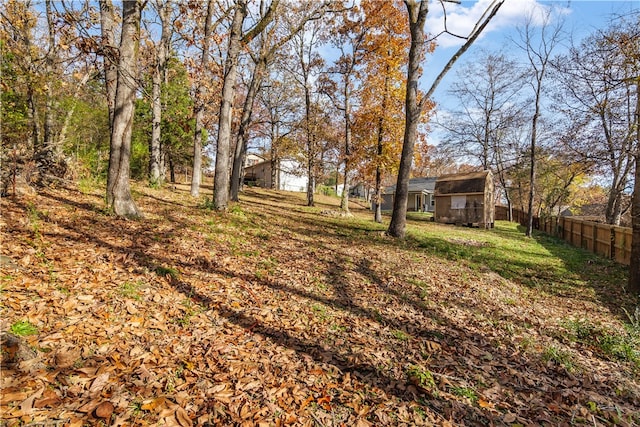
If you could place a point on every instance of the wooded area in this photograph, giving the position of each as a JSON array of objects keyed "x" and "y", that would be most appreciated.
[{"x": 117, "y": 115}]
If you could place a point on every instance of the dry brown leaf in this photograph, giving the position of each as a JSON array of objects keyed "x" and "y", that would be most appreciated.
[
  {"x": 67, "y": 357},
  {"x": 152, "y": 404},
  {"x": 89, "y": 407},
  {"x": 49, "y": 398},
  {"x": 183, "y": 418},
  {"x": 8, "y": 397},
  {"x": 27, "y": 405},
  {"x": 509, "y": 417},
  {"x": 99, "y": 383},
  {"x": 131, "y": 308},
  {"x": 104, "y": 410}
]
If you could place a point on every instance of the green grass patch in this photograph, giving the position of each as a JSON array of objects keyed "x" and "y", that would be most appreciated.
[
  {"x": 559, "y": 357},
  {"x": 422, "y": 378},
  {"x": 88, "y": 185},
  {"x": 400, "y": 335},
  {"x": 542, "y": 262},
  {"x": 23, "y": 328},
  {"x": 167, "y": 271},
  {"x": 465, "y": 392},
  {"x": 131, "y": 290},
  {"x": 320, "y": 311},
  {"x": 617, "y": 345}
]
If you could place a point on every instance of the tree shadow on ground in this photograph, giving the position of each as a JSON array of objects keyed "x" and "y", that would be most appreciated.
[
  {"x": 135, "y": 253},
  {"x": 574, "y": 270},
  {"x": 344, "y": 295}
]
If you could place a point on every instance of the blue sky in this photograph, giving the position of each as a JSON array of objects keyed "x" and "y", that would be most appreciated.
[{"x": 581, "y": 18}]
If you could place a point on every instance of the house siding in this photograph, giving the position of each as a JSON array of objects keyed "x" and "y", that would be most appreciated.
[{"x": 288, "y": 177}]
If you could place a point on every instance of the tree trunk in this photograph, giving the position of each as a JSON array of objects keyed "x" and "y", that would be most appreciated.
[
  {"x": 311, "y": 152},
  {"x": 275, "y": 165},
  {"x": 417, "y": 17},
  {"x": 172, "y": 171},
  {"x": 109, "y": 54},
  {"x": 377, "y": 213},
  {"x": 243, "y": 131},
  {"x": 221, "y": 177},
  {"x": 344, "y": 201},
  {"x": 118, "y": 186},
  {"x": 155, "y": 152},
  {"x": 198, "y": 106},
  {"x": 634, "y": 268},
  {"x": 613, "y": 213}
]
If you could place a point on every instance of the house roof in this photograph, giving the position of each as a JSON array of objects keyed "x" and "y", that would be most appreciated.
[
  {"x": 471, "y": 182},
  {"x": 416, "y": 185}
]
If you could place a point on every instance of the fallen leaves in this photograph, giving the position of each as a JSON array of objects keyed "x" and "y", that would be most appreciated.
[{"x": 312, "y": 323}]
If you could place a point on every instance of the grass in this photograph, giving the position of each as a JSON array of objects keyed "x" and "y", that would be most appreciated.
[
  {"x": 539, "y": 262},
  {"x": 131, "y": 290},
  {"x": 559, "y": 357},
  {"x": 167, "y": 271},
  {"x": 465, "y": 392},
  {"x": 23, "y": 328},
  {"x": 615, "y": 345},
  {"x": 400, "y": 335},
  {"x": 422, "y": 378},
  {"x": 320, "y": 311}
]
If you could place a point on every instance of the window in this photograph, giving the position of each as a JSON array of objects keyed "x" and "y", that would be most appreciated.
[{"x": 458, "y": 202}]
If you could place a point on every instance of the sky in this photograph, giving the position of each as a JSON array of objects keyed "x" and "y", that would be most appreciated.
[{"x": 581, "y": 18}]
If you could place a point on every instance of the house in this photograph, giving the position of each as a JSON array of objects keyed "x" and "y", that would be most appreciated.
[
  {"x": 289, "y": 175},
  {"x": 465, "y": 198},
  {"x": 252, "y": 159},
  {"x": 421, "y": 191},
  {"x": 360, "y": 190}
]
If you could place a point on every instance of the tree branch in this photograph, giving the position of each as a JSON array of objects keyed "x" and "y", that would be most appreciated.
[{"x": 478, "y": 28}]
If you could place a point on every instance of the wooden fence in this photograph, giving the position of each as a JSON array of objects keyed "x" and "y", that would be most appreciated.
[{"x": 606, "y": 240}]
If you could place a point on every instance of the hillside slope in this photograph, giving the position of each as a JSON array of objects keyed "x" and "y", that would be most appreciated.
[{"x": 279, "y": 314}]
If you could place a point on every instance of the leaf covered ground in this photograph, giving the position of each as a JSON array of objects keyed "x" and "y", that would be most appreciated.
[{"x": 277, "y": 314}]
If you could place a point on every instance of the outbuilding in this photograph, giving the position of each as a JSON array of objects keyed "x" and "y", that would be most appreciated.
[{"x": 465, "y": 199}]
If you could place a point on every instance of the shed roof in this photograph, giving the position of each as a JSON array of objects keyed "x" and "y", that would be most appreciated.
[
  {"x": 416, "y": 185},
  {"x": 470, "y": 182}
]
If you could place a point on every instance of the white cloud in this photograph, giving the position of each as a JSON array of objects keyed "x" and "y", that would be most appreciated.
[{"x": 461, "y": 18}]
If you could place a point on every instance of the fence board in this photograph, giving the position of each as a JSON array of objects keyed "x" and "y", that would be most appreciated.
[
  {"x": 622, "y": 245},
  {"x": 588, "y": 235},
  {"x": 603, "y": 240}
]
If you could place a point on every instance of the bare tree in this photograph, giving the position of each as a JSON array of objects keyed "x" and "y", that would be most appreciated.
[
  {"x": 539, "y": 47},
  {"x": 349, "y": 38},
  {"x": 198, "y": 105},
  {"x": 308, "y": 62},
  {"x": 595, "y": 95},
  {"x": 164, "y": 11},
  {"x": 237, "y": 39},
  {"x": 269, "y": 45},
  {"x": 489, "y": 115}
]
